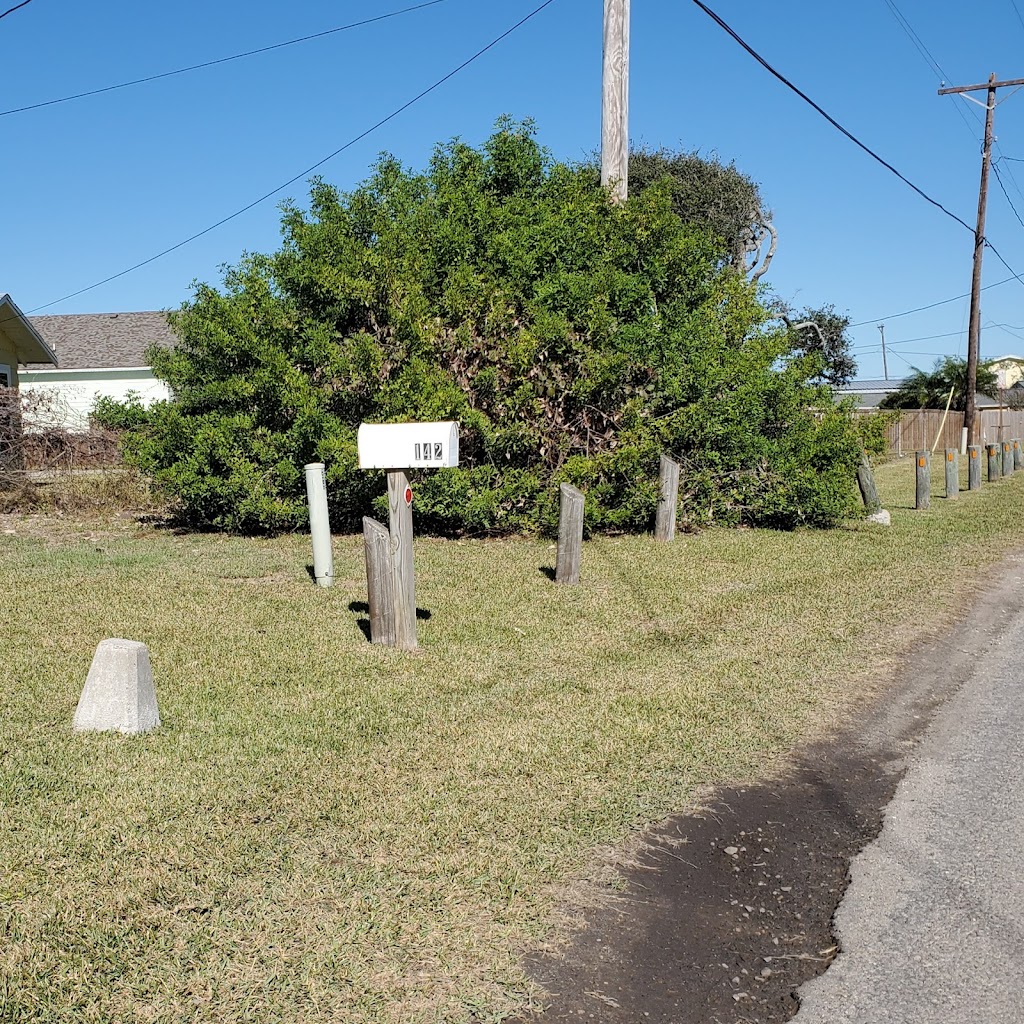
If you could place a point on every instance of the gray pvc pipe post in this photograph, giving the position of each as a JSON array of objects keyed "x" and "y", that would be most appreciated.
[{"x": 320, "y": 524}]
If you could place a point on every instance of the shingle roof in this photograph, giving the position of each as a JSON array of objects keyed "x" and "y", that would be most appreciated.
[{"x": 102, "y": 340}]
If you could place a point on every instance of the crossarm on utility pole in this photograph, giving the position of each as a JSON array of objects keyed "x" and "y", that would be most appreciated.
[{"x": 990, "y": 84}]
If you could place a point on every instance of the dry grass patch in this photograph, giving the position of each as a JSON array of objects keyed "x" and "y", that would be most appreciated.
[{"x": 324, "y": 830}]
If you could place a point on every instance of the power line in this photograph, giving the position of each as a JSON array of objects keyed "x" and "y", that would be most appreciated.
[
  {"x": 302, "y": 174},
  {"x": 1016, "y": 11},
  {"x": 929, "y": 59},
  {"x": 931, "y": 305},
  {"x": 909, "y": 341},
  {"x": 942, "y": 75},
  {"x": 899, "y": 355},
  {"x": 828, "y": 117},
  {"x": 853, "y": 138},
  {"x": 16, "y": 7},
  {"x": 890, "y": 345},
  {"x": 219, "y": 60},
  {"x": 923, "y": 50},
  {"x": 1002, "y": 187}
]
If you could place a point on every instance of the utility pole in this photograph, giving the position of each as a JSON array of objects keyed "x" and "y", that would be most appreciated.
[
  {"x": 615, "y": 99},
  {"x": 974, "y": 328},
  {"x": 885, "y": 364}
]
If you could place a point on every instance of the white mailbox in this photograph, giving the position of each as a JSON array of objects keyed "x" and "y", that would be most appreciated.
[{"x": 408, "y": 445}]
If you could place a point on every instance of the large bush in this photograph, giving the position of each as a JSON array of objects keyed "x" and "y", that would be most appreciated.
[{"x": 575, "y": 340}]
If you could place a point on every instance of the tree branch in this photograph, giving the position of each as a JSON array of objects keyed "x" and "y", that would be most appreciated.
[{"x": 769, "y": 256}]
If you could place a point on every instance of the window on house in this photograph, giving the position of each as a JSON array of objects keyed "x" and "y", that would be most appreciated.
[{"x": 6, "y": 377}]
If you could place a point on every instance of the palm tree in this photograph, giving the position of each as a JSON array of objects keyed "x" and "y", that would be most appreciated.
[{"x": 925, "y": 389}]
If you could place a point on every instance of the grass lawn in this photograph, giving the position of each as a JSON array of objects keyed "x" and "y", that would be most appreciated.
[{"x": 324, "y": 830}]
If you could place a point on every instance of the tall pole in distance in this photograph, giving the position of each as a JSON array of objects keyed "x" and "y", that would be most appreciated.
[
  {"x": 615, "y": 99},
  {"x": 885, "y": 362},
  {"x": 974, "y": 328}
]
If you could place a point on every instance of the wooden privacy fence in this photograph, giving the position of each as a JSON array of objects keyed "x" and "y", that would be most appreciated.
[{"x": 917, "y": 429}]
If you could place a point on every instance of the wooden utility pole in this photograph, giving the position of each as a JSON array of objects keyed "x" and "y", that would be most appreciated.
[
  {"x": 615, "y": 99},
  {"x": 885, "y": 362},
  {"x": 974, "y": 329}
]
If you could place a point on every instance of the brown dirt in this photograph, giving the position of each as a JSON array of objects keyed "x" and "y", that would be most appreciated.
[{"x": 726, "y": 911}]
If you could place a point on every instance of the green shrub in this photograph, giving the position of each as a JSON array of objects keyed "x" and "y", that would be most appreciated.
[
  {"x": 573, "y": 339},
  {"x": 871, "y": 429},
  {"x": 111, "y": 414}
]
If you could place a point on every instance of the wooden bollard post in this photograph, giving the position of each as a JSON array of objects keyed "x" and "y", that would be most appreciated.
[
  {"x": 995, "y": 462},
  {"x": 403, "y": 571},
  {"x": 379, "y": 587},
  {"x": 668, "y": 500},
  {"x": 952, "y": 474},
  {"x": 1007, "y": 458},
  {"x": 866, "y": 483},
  {"x": 1018, "y": 455},
  {"x": 570, "y": 535},
  {"x": 974, "y": 467},
  {"x": 924, "y": 480}
]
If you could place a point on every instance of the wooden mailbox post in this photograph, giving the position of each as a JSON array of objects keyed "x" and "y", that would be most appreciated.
[{"x": 397, "y": 447}]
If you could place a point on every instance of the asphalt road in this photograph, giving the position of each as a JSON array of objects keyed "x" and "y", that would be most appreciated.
[{"x": 932, "y": 926}]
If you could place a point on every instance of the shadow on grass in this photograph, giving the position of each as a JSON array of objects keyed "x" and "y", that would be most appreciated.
[
  {"x": 547, "y": 570},
  {"x": 362, "y": 609}
]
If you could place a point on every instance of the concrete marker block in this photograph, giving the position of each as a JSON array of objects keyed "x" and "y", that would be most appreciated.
[{"x": 119, "y": 695}]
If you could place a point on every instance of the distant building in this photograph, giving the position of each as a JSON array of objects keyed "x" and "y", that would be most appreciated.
[
  {"x": 1009, "y": 370},
  {"x": 97, "y": 354},
  {"x": 869, "y": 392}
]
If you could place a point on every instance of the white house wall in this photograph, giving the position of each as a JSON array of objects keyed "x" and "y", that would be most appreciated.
[{"x": 72, "y": 393}]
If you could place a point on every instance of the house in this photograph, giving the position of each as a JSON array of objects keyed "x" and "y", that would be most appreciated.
[
  {"x": 20, "y": 344},
  {"x": 1009, "y": 370},
  {"x": 99, "y": 354}
]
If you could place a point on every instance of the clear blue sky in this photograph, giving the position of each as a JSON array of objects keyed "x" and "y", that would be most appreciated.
[{"x": 96, "y": 185}]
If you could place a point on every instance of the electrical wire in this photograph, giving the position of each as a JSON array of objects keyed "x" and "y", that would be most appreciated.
[
  {"x": 16, "y": 7},
  {"x": 828, "y": 117},
  {"x": 219, "y": 60},
  {"x": 302, "y": 174},
  {"x": 999, "y": 179},
  {"x": 933, "y": 64},
  {"x": 1010, "y": 329},
  {"x": 907, "y": 341},
  {"x": 942, "y": 75},
  {"x": 1016, "y": 10},
  {"x": 931, "y": 305},
  {"x": 919, "y": 45},
  {"x": 940, "y": 72},
  {"x": 853, "y": 138},
  {"x": 907, "y": 361}
]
